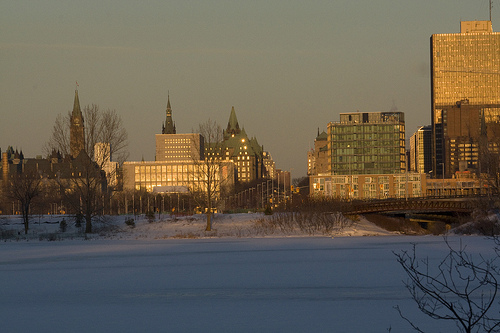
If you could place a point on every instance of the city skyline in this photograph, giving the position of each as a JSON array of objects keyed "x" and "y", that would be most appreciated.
[{"x": 287, "y": 67}]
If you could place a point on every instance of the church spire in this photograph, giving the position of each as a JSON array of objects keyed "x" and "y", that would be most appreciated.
[
  {"x": 169, "y": 127},
  {"x": 77, "y": 112},
  {"x": 77, "y": 129}
]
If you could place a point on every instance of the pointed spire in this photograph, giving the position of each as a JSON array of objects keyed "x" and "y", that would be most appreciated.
[
  {"x": 169, "y": 127},
  {"x": 76, "y": 131},
  {"x": 76, "y": 105},
  {"x": 233, "y": 127}
]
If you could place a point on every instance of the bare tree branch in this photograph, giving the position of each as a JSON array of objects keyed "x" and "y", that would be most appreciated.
[
  {"x": 213, "y": 172},
  {"x": 457, "y": 289}
]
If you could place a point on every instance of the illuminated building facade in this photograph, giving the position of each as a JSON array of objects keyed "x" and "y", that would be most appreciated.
[
  {"x": 367, "y": 143},
  {"x": 249, "y": 157},
  {"x": 173, "y": 177},
  {"x": 317, "y": 158},
  {"x": 179, "y": 147},
  {"x": 421, "y": 150},
  {"x": 465, "y": 91},
  {"x": 368, "y": 186},
  {"x": 179, "y": 166}
]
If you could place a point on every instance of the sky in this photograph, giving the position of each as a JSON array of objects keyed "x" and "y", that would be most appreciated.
[{"x": 288, "y": 67}]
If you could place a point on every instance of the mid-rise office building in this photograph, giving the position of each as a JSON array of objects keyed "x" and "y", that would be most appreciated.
[
  {"x": 175, "y": 148},
  {"x": 465, "y": 92},
  {"x": 174, "y": 177},
  {"x": 367, "y": 143},
  {"x": 179, "y": 147}
]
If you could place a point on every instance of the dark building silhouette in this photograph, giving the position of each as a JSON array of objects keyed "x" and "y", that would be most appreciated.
[
  {"x": 169, "y": 125},
  {"x": 77, "y": 129}
]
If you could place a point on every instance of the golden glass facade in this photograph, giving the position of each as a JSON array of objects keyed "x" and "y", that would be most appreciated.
[
  {"x": 192, "y": 176},
  {"x": 465, "y": 66}
]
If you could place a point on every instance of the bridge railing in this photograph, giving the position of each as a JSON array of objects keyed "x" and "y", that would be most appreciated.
[{"x": 452, "y": 204}]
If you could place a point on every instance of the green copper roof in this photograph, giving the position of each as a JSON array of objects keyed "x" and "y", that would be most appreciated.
[
  {"x": 322, "y": 137},
  {"x": 232, "y": 126}
]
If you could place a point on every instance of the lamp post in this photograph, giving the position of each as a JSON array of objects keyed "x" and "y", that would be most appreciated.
[{"x": 350, "y": 173}]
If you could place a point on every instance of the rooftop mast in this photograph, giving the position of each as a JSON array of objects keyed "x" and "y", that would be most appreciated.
[{"x": 490, "y": 10}]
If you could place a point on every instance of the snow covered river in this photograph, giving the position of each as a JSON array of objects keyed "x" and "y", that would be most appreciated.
[{"x": 304, "y": 284}]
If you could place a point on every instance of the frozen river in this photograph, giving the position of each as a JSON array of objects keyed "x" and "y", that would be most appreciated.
[{"x": 347, "y": 284}]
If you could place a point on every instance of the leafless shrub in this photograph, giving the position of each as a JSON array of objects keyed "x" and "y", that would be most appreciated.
[
  {"x": 309, "y": 222},
  {"x": 484, "y": 226},
  {"x": 188, "y": 235}
]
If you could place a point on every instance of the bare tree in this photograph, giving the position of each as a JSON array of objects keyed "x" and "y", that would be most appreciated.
[
  {"x": 457, "y": 289},
  {"x": 214, "y": 173},
  {"x": 100, "y": 126},
  {"x": 84, "y": 187},
  {"x": 25, "y": 187},
  {"x": 59, "y": 139}
]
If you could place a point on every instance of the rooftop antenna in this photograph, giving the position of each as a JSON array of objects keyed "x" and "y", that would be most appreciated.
[{"x": 490, "y": 10}]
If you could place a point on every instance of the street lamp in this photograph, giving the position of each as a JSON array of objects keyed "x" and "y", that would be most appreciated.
[{"x": 350, "y": 173}]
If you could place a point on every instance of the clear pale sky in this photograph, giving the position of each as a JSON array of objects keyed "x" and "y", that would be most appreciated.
[{"x": 288, "y": 67}]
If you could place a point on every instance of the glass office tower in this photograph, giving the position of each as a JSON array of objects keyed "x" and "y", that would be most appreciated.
[
  {"x": 367, "y": 143},
  {"x": 465, "y": 70}
]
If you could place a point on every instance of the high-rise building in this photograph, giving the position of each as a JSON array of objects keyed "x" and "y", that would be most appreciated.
[
  {"x": 77, "y": 129},
  {"x": 421, "y": 150},
  {"x": 465, "y": 92},
  {"x": 367, "y": 143}
]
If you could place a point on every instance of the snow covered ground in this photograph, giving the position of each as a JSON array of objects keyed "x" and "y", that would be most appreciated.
[{"x": 172, "y": 277}]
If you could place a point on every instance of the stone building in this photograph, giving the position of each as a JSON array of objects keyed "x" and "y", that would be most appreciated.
[
  {"x": 317, "y": 158},
  {"x": 250, "y": 159}
]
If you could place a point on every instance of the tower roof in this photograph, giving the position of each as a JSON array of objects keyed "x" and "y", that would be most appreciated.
[
  {"x": 233, "y": 121},
  {"x": 169, "y": 127},
  {"x": 76, "y": 106},
  {"x": 233, "y": 128}
]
